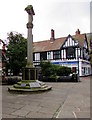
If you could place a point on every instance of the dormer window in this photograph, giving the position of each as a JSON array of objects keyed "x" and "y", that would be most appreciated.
[
  {"x": 76, "y": 42},
  {"x": 85, "y": 44}
]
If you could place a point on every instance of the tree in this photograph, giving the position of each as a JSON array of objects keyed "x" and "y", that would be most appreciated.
[
  {"x": 16, "y": 52},
  {"x": 45, "y": 68}
]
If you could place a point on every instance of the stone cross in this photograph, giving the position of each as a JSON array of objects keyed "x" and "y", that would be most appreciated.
[{"x": 30, "y": 11}]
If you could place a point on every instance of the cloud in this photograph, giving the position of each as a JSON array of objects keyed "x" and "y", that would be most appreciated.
[{"x": 64, "y": 17}]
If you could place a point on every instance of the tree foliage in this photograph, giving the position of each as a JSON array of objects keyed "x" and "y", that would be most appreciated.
[
  {"x": 49, "y": 69},
  {"x": 16, "y": 52}
]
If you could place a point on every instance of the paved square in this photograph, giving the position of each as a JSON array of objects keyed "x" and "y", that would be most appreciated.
[{"x": 65, "y": 100}]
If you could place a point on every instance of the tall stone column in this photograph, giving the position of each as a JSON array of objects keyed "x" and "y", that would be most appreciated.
[
  {"x": 30, "y": 11},
  {"x": 30, "y": 72}
]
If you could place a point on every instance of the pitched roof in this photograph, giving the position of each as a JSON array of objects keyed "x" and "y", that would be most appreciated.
[
  {"x": 56, "y": 44},
  {"x": 80, "y": 38},
  {"x": 48, "y": 45},
  {"x": 89, "y": 37}
]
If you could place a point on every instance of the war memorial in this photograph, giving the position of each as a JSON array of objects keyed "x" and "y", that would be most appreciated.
[{"x": 30, "y": 82}]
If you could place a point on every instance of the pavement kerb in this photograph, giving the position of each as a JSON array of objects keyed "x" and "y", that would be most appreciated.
[
  {"x": 57, "y": 111},
  {"x": 56, "y": 114}
]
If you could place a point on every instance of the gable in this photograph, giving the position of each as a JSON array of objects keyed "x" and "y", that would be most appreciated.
[
  {"x": 69, "y": 42},
  {"x": 80, "y": 38}
]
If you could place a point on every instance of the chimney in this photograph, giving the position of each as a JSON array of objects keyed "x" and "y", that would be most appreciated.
[
  {"x": 52, "y": 35},
  {"x": 77, "y": 32}
]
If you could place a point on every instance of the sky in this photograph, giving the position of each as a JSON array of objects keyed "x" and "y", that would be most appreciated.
[{"x": 64, "y": 16}]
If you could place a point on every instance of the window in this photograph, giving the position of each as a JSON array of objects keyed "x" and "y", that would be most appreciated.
[
  {"x": 76, "y": 42},
  {"x": 84, "y": 53},
  {"x": 43, "y": 56},
  {"x": 70, "y": 53},
  {"x": 56, "y": 54},
  {"x": 49, "y": 55}
]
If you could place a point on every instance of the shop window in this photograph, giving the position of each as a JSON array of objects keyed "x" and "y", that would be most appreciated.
[{"x": 83, "y": 71}]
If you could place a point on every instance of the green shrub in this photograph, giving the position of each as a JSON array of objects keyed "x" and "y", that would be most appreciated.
[
  {"x": 63, "y": 71},
  {"x": 51, "y": 70}
]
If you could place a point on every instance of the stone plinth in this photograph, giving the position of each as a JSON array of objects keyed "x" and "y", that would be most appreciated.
[{"x": 30, "y": 74}]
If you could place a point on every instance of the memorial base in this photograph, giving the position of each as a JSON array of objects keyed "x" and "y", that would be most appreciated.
[
  {"x": 29, "y": 82},
  {"x": 30, "y": 74}
]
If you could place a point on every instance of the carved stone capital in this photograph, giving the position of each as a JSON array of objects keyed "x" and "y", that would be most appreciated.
[{"x": 29, "y": 25}]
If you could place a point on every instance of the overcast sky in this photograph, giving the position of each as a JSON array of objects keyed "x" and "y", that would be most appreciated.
[{"x": 62, "y": 16}]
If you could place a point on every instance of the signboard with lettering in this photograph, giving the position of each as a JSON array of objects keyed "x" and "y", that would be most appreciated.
[
  {"x": 34, "y": 85},
  {"x": 23, "y": 84}
]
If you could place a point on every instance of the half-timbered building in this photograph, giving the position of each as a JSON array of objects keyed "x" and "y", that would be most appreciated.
[{"x": 71, "y": 51}]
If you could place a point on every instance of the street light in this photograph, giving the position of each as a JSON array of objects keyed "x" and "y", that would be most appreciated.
[
  {"x": 78, "y": 70},
  {"x": 78, "y": 65}
]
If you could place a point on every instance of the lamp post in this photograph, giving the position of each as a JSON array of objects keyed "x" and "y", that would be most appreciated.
[
  {"x": 78, "y": 65},
  {"x": 78, "y": 69}
]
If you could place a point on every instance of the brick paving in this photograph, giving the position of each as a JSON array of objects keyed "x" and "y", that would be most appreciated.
[{"x": 65, "y": 100}]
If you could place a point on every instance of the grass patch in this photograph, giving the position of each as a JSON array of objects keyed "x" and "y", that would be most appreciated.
[{"x": 21, "y": 87}]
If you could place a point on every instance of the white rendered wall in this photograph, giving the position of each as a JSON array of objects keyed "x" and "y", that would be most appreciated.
[
  {"x": 76, "y": 53},
  {"x": 50, "y": 55},
  {"x": 62, "y": 53},
  {"x": 80, "y": 68}
]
